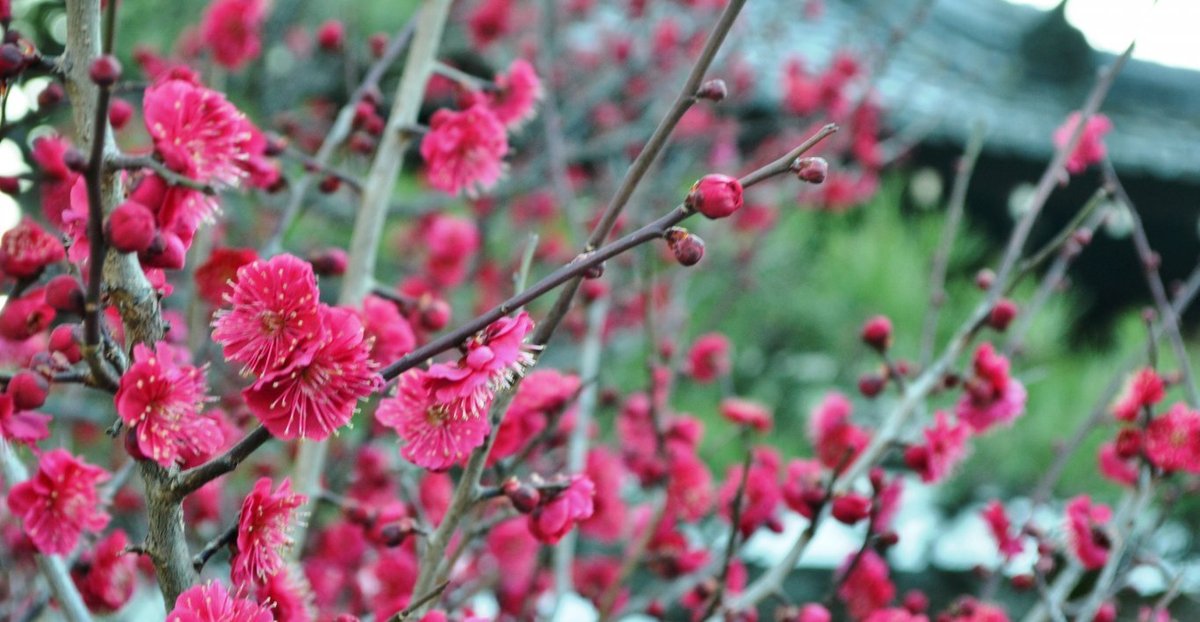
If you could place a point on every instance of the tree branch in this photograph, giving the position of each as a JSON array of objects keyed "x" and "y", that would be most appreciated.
[{"x": 192, "y": 479}]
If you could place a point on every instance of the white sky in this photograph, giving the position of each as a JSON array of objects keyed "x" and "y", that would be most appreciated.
[{"x": 1166, "y": 31}]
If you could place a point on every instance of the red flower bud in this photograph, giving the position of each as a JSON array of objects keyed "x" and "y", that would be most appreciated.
[
  {"x": 916, "y": 457},
  {"x": 119, "y": 112},
  {"x": 1023, "y": 582},
  {"x": 433, "y": 315},
  {"x": 916, "y": 602},
  {"x": 330, "y": 184},
  {"x": 10, "y": 185},
  {"x": 851, "y": 508},
  {"x": 394, "y": 534},
  {"x": 166, "y": 252},
  {"x": 51, "y": 95},
  {"x": 378, "y": 43},
  {"x": 1002, "y": 314},
  {"x": 871, "y": 385},
  {"x": 713, "y": 90},
  {"x": 11, "y": 60},
  {"x": 75, "y": 160},
  {"x": 65, "y": 293},
  {"x": 105, "y": 70},
  {"x": 715, "y": 196},
  {"x": 25, "y": 317},
  {"x": 1129, "y": 443},
  {"x": 524, "y": 497},
  {"x": 64, "y": 341},
  {"x": 330, "y": 261},
  {"x": 877, "y": 333},
  {"x": 331, "y": 36},
  {"x": 812, "y": 170},
  {"x": 28, "y": 390},
  {"x": 131, "y": 227}
]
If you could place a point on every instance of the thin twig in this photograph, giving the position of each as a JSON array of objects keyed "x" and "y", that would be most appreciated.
[
  {"x": 1154, "y": 280},
  {"x": 735, "y": 520},
  {"x": 132, "y": 163},
  {"x": 941, "y": 257},
  {"x": 419, "y": 602},
  {"x": 192, "y": 479},
  {"x": 223, "y": 540}
]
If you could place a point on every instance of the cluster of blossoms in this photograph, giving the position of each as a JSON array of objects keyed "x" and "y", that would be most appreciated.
[{"x": 312, "y": 362}]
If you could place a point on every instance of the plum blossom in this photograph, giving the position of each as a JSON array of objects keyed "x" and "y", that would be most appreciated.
[
  {"x": 232, "y": 30},
  {"x": 492, "y": 359},
  {"x": 708, "y": 357},
  {"x": 212, "y": 602},
  {"x": 436, "y": 434},
  {"x": 998, "y": 523},
  {"x": 160, "y": 400},
  {"x": 836, "y": 439},
  {"x": 559, "y": 512},
  {"x": 273, "y": 321},
  {"x": 312, "y": 399},
  {"x": 464, "y": 150},
  {"x": 197, "y": 131},
  {"x": 107, "y": 574},
  {"x": 944, "y": 448},
  {"x": 59, "y": 502},
  {"x": 262, "y": 532},
  {"x": 26, "y": 249},
  {"x": 1144, "y": 389},
  {"x": 992, "y": 396},
  {"x": 1172, "y": 440},
  {"x": 1086, "y": 523},
  {"x": 1090, "y": 149},
  {"x": 868, "y": 586}
]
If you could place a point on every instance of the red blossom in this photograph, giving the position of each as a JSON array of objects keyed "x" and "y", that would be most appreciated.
[
  {"x": 390, "y": 333},
  {"x": 197, "y": 131},
  {"x": 708, "y": 357},
  {"x": 106, "y": 574},
  {"x": 837, "y": 441},
  {"x": 160, "y": 400},
  {"x": 212, "y": 602},
  {"x": 1090, "y": 149},
  {"x": 1086, "y": 523},
  {"x": 992, "y": 396},
  {"x": 998, "y": 523},
  {"x": 1144, "y": 389},
  {"x": 215, "y": 278},
  {"x": 762, "y": 495},
  {"x": 558, "y": 514},
  {"x": 22, "y": 426},
  {"x": 464, "y": 150},
  {"x": 59, "y": 502},
  {"x": 492, "y": 359},
  {"x": 312, "y": 399},
  {"x": 868, "y": 586},
  {"x": 944, "y": 448},
  {"x": 232, "y": 30},
  {"x": 26, "y": 249},
  {"x": 273, "y": 322},
  {"x": 262, "y": 532},
  {"x": 519, "y": 91},
  {"x": 436, "y": 434},
  {"x": 1172, "y": 440},
  {"x": 747, "y": 413}
]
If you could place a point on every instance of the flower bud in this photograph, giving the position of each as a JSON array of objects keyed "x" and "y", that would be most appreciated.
[
  {"x": 394, "y": 534},
  {"x": 871, "y": 385},
  {"x": 28, "y": 390},
  {"x": 75, "y": 160},
  {"x": 65, "y": 293},
  {"x": 119, "y": 113},
  {"x": 916, "y": 457},
  {"x": 131, "y": 445},
  {"x": 812, "y": 170},
  {"x": 713, "y": 90},
  {"x": 715, "y": 196},
  {"x": 433, "y": 315},
  {"x": 378, "y": 43},
  {"x": 1129, "y": 443},
  {"x": 594, "y": 272},
  {"x": 1002, "y": 314},
  {"x": 851, "y": 508},
  {"x": 166, "y": 251},
  {"x": 24, "y": 317},
  {"x": 11, "y": 60},
  {"x": 916, "y": 602},
  {"x": 65, "y": 341},
  {"x": 51, "y": 95},
  {"x": 330, "y": 184},
  {"x": 877, "y": 333},
  {"x": 331, "y": 36},
  {"x": 524, "y": 497},
  {"x": 330, "y": 261},
  {"x": 1023, "y": 582},
  {"x": 687, "y": 248},
  {"x": 105, "y": 70},
  {"x": 131, "y": 227}
]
